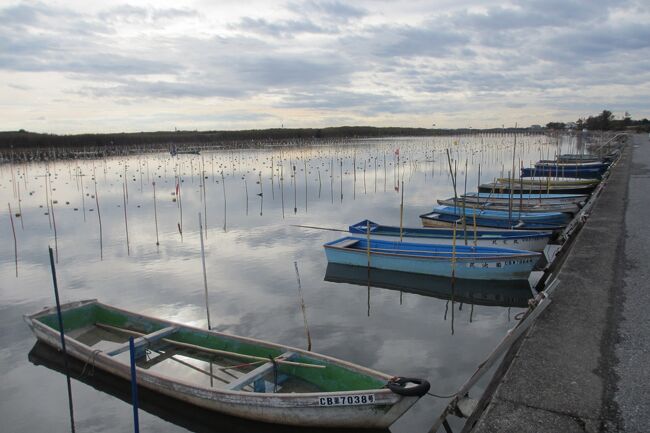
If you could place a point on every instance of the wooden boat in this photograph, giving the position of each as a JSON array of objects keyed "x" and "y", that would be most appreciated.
[
  {"x": 435, "y": 219},
  {"x": 519, "y": 240},
  {"x": 576, "y": 164},
  {"x": 187, "y": 417},
  {"x": 586, "y": 172},
  {"x": 259, "y": 380},
  {"x": 544, "y": 181},
  {"x": 518, "y": 205},
  {"x": 474, "y": 263},
  {"x": 551, "y": 218},
  {"x": 488, "y": 293},
  {"x": 517, "y": 188},
  {"x": 539, "y": 198}
]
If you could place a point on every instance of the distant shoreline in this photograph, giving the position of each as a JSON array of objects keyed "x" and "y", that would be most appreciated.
[{"x": 115, "y": 143}]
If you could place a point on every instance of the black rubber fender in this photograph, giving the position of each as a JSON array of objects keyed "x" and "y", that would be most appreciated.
[{"x": 398, "y": 386}]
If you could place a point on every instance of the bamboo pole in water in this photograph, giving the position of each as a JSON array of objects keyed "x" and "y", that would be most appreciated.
[
  {"x": 62, "y": 337},
  {"x": 155, "y": 212},
  {"x": 126, "y": 221},
  {"x": 13, "y": 229},
  {"x": 225, "y": 214},
  {"x": 99, "y": 217},
  {"x": 401, "y": 215},
  {"x": 20, "y": 210},
  {"x": 368, "y": 253},
  {"x": 246, "y": 192},
  {"x": 302, "y": 307},
  {"x": 464, "y": 208},
  {"x": 56, "y": 241},
  {"x": 205, "y": 277}
]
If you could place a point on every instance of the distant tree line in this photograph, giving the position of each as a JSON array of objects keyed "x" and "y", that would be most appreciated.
[
  {"x": 605, "y": 121},
  {"x": 24, "y": 140}
]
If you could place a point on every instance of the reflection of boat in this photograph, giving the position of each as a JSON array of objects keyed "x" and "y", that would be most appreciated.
[
  {"x": 475, "y": 263},
  {"x": 254, "y": 379},
  {"x": 502, "y": 293},
  {"x": 178, "y": 412},
  {"x": 519, "y": 240}
]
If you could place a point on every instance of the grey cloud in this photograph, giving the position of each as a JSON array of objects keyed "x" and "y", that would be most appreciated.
[
  {"x": 333, "y": 10},
  {"x": 135, "y": 14},
  {"x": 164, "y": 89},
  {"x": 280, "y": 29},
  {"x": 430, "y": 40}
]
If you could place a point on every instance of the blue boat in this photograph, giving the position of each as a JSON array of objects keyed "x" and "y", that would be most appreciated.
[
  {"x": 541, "y": 198},
  {"x": 590, "y": 173},
  {"x": 436, "y": 219},
  {"x": 485, "y": 214},
  {"x": 473, "y": 263},
  {"x": 514, "y": 239}
]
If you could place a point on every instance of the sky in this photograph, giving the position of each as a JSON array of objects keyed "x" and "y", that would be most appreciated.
[{"x": 80, "y": 66}]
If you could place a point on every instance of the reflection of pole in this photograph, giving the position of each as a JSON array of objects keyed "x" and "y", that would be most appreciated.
[
  {"x": 62, "y": 335},
  {"x": 302, "y": 307}
]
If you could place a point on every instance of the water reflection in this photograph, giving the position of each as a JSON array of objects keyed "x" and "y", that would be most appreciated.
[
  {"x": 489, "y": 293},
  {"x": 249, "y": 257}
]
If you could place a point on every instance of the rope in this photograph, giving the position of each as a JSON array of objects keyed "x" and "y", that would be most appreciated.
[{"x": 91, "y": 358}]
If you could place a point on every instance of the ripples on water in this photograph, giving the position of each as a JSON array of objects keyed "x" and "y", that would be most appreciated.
[{"x": 251, "y": 245}]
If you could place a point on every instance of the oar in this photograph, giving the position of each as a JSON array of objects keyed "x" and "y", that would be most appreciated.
[
  {"x": 319, "y": 228},
  {"x": 208, "y": 350}
]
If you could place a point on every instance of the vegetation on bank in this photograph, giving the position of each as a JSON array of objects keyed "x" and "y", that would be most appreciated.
[
  {"x": 605, "y": 121},
  {"x": 29, "y": 140}
]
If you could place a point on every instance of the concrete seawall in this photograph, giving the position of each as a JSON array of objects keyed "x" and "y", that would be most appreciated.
[{"x": 582, "y": 366}]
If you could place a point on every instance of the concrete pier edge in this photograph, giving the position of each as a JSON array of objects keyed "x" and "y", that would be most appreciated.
[{"x": 562, "y": 375}]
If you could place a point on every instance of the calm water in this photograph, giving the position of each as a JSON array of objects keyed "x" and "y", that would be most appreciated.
[{"x": 251, "y": 245}]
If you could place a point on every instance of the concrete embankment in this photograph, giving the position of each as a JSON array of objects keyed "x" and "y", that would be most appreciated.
[{"x": 583, "y": 366}]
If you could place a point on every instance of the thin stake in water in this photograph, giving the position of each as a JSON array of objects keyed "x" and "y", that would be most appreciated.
[
  {"x": 62, "y": 335},
  {"x": 13, "y": 229},
  {"x": 205, "y": 277},
  {"x": 302, "y": 307}
]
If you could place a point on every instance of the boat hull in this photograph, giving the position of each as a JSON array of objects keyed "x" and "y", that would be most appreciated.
[
  {"x": 490, "y": 266},
  {"x": 590, "y": 172},
  {"x": 517, "y": 205},
  {"x": 434, "y": 219},
  {"x": 537, "y": 198},
  {"x": 296, "y": 409},
  {"x": 503, "y": 188}
]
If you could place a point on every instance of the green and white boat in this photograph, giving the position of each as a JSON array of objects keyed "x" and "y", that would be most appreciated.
[{"x": 248, "y": 378}]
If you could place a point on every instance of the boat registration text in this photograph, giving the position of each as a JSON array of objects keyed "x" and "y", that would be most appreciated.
[{"x": 347, "y": 400}]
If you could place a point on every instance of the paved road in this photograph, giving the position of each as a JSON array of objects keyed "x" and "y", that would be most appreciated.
[
  {"x": 633, "y": 347},
  {"x": 585, "y": 365}
]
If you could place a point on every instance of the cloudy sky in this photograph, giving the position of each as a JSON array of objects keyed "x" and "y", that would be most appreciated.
[{"x": 105, "y": 66}]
